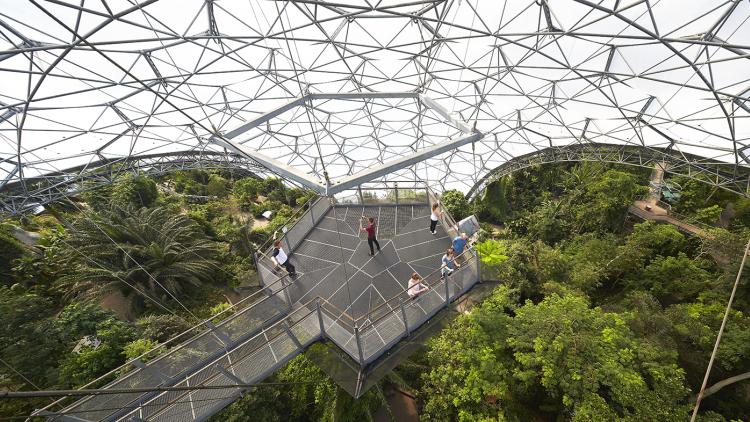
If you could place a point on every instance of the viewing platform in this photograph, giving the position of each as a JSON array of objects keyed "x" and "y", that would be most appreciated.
[{"x": 356, "y": 302}]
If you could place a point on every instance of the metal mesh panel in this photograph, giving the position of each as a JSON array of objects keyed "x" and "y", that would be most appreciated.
[
  {"x": 386, "y": 222},
  {"x": 266, "y": 273},
  {"x": 320, "y": 208},
  {"x": 417, "y": 196},
  {"x": 341, "y": 336},
  {"x": 91, "y": 408},
  {"x": 421, "y": 308},
  {"x": 297, "y": 232},
  {"x": 378, "y": 337}
]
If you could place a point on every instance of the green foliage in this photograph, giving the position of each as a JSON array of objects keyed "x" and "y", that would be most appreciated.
[
  {"x": 160, "y": 328},
  {"x": 310, "y": 396},
  {"x": 39, "y": 271},
  {"x": 224, "y": 307},
  {"x": 575, "y": 352},
  {"x": 547, "y": 222},
  {"x": 559, "y": 355},
  {"x": 138, "y": 347},
  {"x": 217, "y": 186},
  {"x": 492, "y": 254},
  {"x": 137, "y": 191},
  {"x": 10, "y": 250},
  {"x": 605, "y": 200},
  {"x": 153, "y": 250},
  {"x": 697, "y": 194},
  {"x": 246, "y": 191},
  {"x": 494, "y": 204},
  {"x": 27, "y": 337},
  {"x": 469, "y": 373},
  {"x": 129, "y": 191},
  {"x": 456, "y": 204},
  {"x": 696, "y": 325},
  {"x": 191, "y": 182},
  {"x": 671, "y": 279},
  {"x": 708, "y": 215}
]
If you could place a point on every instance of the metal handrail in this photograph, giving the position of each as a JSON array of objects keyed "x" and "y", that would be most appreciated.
[
  {"x": 399, "y": 295},
  {"x": 449, "y": 221},
  {"x": 320, "y": 300},
  {"x": 202, "y": 324},
  {"x": 218, "y": 359},
  {"x": 295, "y": 214}
]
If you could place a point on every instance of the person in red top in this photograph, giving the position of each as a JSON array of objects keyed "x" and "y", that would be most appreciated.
[{"x": 371, "y": 229}]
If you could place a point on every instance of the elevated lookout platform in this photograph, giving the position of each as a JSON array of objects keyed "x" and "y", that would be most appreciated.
[{"x": 356, "y": 302}]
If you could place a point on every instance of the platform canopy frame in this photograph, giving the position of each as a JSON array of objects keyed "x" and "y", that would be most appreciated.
[{"x": 321, "y": 91}]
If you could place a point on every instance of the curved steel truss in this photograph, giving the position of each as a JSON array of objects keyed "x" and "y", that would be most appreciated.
[
  {"x": 119, "y": 80},
  {"x": 721, "y": 175},
  {"x": 19, "y": 198}
]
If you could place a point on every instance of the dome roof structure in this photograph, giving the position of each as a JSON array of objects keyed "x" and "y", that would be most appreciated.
[{"x": 327, "y": 90}]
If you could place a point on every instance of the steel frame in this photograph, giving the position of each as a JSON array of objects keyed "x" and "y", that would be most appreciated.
[
  {"x": 714, "y": 173},
  {"x": 513, "y": 77}
]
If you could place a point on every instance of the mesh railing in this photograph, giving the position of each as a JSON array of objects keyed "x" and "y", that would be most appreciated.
[
  {"x": 449, "y": 224},
  {"x": 248, "y": 363},
  {"x": 397, "y": 317},
  {"x": 316, "y": 210}
]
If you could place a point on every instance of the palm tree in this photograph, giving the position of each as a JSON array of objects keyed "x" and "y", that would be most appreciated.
[{"x": 152, "y": 250}]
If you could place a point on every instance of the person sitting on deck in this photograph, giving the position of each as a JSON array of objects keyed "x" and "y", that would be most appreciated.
[
  {"x": 448, "y": 263},
  {"x": 416, "y": 287},
  {"x": 279, "y": 257},
  {"x": 459, "y": 243},
  {"x": 371, "y": 229}
]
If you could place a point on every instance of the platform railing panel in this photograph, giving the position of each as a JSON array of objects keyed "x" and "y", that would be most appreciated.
[{"x": 250, "y": 362}]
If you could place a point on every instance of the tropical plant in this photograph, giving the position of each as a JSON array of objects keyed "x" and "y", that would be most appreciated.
[
  {"x": 455, "y": 203},
  {"x": 492, "y": 254},
  {"x": 151, "y": 250}
]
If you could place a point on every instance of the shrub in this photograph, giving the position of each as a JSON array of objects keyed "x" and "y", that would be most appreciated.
[{"x": 455, "y": 203}]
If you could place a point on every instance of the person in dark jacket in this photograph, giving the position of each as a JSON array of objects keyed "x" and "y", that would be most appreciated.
[{"x": 371, "y": 230}]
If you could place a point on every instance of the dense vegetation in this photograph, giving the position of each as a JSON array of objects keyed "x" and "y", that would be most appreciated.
[
  {"x": 596, "y": 315},
  {"x": 130, "y": 265}
]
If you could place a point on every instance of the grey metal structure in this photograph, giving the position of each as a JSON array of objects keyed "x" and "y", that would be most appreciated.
[{"x": 321, "y": 91}]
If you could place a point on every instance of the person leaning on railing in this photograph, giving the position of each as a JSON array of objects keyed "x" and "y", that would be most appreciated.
[
  {"x": 280, "y": 258},
  {"x": 434, "y": 217},
  {"x": 416, "y": 287},
  {"x": 458, "y": 244},
  {"x": 448, "y": 263}
]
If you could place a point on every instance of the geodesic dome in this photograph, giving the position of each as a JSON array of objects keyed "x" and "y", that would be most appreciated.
[{"x": 327, "y": 90}]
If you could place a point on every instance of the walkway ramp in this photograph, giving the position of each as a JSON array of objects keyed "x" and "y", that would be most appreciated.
[{"x": 681, "y": 224}]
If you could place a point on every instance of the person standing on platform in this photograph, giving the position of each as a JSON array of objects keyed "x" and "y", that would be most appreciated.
[
  {"x": 448, "y": 263},
  {"x": 459, "y": 243},
  {"x": 416, "y": 287},
  {"x": 434, "y": 216},
  {"x": 279, "y": 257},
  {"x": 371, "y": 230}
]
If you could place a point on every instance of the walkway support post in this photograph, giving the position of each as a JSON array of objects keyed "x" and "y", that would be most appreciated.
[{"x": 358, "y": 339}]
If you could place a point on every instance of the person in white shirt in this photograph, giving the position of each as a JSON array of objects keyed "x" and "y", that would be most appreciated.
[
  {"x": 416, "y": 287},
  {"x": 279, "y": 257},
  {"x": 434, "y": 216}
]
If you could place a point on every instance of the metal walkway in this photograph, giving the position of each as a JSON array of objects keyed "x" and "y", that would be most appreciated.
[{"x": 281, "y": 320}]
